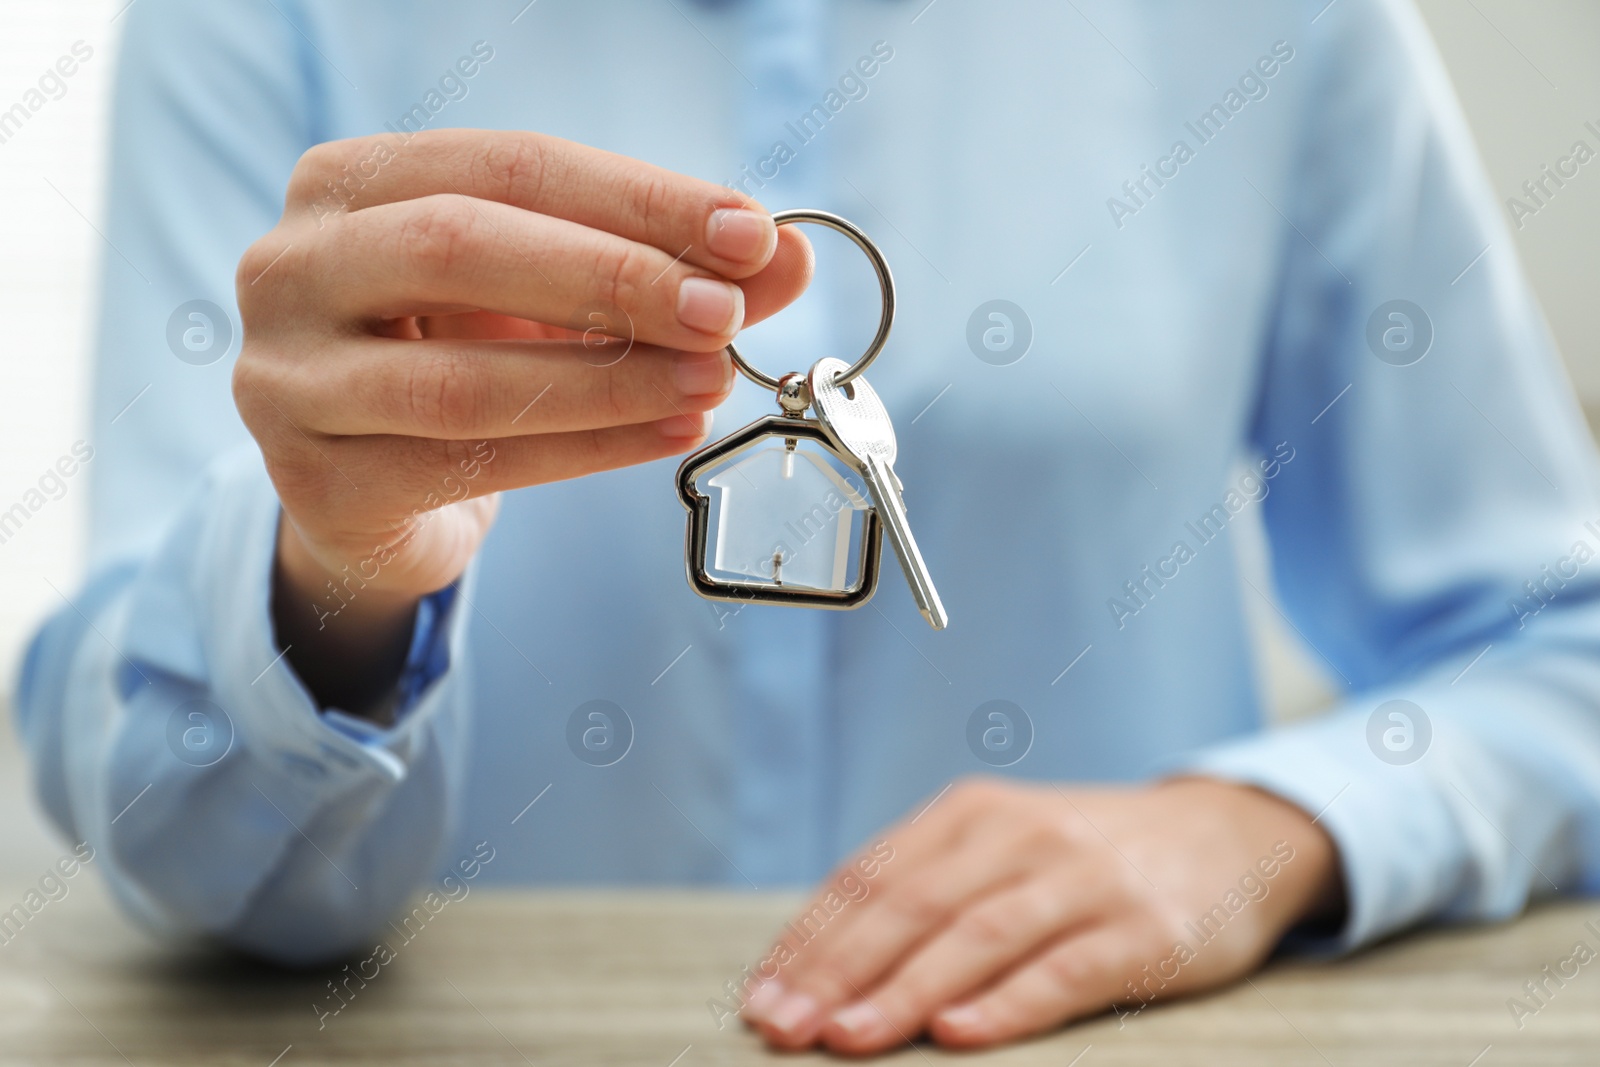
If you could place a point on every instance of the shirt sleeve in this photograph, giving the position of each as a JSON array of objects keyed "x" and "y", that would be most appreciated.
[
  {"x": 164, "y": 724},
  {"x": 1435, "y": 538}
]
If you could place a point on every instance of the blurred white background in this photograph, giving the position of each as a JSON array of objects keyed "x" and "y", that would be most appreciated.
[{"x": 1525, "y": 69}]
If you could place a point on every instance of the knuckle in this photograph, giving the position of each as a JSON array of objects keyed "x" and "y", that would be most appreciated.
[
  {"x": 619, "y": 271},
  {"x": 1068, "y": 970},
  {"x": 299, "y": 471},
  {"x": 919, "y": 903},
  {"x": 437, "y": 234},
  {"x": 976, "y": 791},
  {"x": 1044, "y": 906},
  {"x": 652, "y": 204},
  {"x": 266, "y": 387},
  {"x": 988, "y": 927},
  {"x": 457, "y": 455},
  {"x": 590, "y": 450},
  {"x": 314, "y": 168},
  {"x": 267, "y": 393},
  {"x": 247, "y": 382},
  {"x": 254, "y": 284},
  {"x": 516, "y": 168},
  {"x": 614, "y": 399},
  {"x": 442, "y": 396},
  {"x": 594, "y": 406},
  {"x": 1049, "y": 837},
  {"x": 1126, "y": 881},
  {"x": 276, "y": 283},
  {"x": 321, "y": 164},
  {"x": 1168, "y": 923},
  {"x": 597, "y": 449},
  {"x": 1073, "y": 830}
]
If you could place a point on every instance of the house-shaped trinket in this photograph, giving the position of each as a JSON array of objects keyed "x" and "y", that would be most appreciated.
[{"x": 782, "y": 520}]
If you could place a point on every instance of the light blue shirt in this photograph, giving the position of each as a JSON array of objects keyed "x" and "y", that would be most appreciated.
[{"x": 1203, "y": 212}]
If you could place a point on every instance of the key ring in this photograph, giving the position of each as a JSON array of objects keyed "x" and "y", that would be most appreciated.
[{"x": 885, "y": 282}]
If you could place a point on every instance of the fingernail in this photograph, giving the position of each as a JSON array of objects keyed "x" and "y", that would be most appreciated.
[
  {"x": 702, "y": 374},
  {"x": 859, "y": 1019},
  {"x": 962, "y": 1017},
  {"x": 683, "y": 427},
  {"x": 737, "y": 234},
  {"x": 794, "y": 1012},
  {"x": 710, "y": 306},
  {"x": 761, "y": 1001}
]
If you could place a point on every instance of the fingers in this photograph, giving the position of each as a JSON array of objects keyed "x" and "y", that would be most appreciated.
[
  {"x": 444, "y": 254},
  {"x": 449, "y": 389},
  {"x": 450, "y": 240},
  {"x": 487, "y": 326},
  {"x": 914, "y": 843},
  {"x": 862, "y": 948},
  {"x": 451, "y": 253},
  {"x": 1080, "y": 975},
  {"x": 524, "y": 461},
  {"x": 984, "y": 940},
  {"x": 327, "y": 476},
  {"x": 932, "y": 829},
  {"x": 1026, "y": 916},
  {"x": 782, "y": 280},
  {"x": 709, "y": 226}
]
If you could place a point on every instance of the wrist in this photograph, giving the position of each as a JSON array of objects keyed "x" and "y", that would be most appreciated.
[
  {"x": 346, "y": 637},
  {"x": 330, "y": 589},
  {"x": 1310, "y": 888}
]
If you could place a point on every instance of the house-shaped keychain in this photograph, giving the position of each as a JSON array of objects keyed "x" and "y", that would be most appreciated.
[
  {"x": 783, "y": 522},
  {"x": 781, "y": 529},
  {"x": 784, "y": 515}
]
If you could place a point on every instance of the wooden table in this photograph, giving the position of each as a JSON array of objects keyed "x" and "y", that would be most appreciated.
[{"x": 610, "y": 978}]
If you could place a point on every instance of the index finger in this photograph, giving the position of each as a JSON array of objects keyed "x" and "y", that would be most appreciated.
[{"x": 705, "y": 224}]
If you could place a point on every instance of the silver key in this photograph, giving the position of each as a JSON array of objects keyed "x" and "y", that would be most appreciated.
[{"x": 859, "y": 426}]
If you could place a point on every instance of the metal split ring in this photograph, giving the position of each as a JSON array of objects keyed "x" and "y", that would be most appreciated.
[{"x": 885, "y": 282}]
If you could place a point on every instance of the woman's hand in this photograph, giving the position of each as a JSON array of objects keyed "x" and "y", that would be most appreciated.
[
  {"x": 426, "y": 326},
  {"x": 1004, "y": 909}
]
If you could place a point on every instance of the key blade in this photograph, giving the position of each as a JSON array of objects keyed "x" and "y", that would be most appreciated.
[
  {"x": 857, "y": 422},
  {"x": 883, "y": 485}
]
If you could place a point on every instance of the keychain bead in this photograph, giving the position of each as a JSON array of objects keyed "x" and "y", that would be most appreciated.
[{"x": 794, "y": 394}]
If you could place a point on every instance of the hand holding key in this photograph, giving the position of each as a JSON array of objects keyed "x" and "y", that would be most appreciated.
[{"x": 417, "y": 341}]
